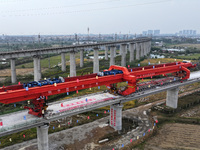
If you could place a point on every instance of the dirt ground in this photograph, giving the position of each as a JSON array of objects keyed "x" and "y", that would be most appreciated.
[
  {"x": 23, "y": 71},
  {"x": 193, "y": 112},
  {"x": 175, "y": 136},
  {"x": 189, "y": 45}
]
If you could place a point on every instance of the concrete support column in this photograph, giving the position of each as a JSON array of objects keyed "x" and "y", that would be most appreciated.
[
  {"x": 116, "y": 116},
  {"x": 131, "y": 49},
  {"x": 115, "y": 51},
  {"x": 35, "y": 64},
  {"x": 112, "y": 55},
  {"x": 149, "y": 46},
  {"x": 172, "y": 98},
  {"x": 106, "y": 53},
  {"x": 123, "y": 48},
  {"x": 145, "y": 51},
  {"x": 72, "y": 64},
  {"x": 81, "y": 58},
  {"x": 13, "y": 71},
  {"x": 63, "y": 62},
  {"x": 39, "y": 68},
  {"x": 96, "y": 61},
  {"x": 141, "y": 50},
  {"x": 137, "y": 51},
  {"x": 120, "y": 50},
  {"x": 42, "y": 137}
]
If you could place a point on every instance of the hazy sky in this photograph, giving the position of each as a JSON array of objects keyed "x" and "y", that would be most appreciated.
[{"x": 28, "y": 17}]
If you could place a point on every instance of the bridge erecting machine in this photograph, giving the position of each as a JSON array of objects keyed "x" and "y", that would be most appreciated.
[{"x": 38, "y": 92}]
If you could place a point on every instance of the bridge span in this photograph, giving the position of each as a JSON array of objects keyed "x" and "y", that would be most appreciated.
[{"x": 20, "y": 121}]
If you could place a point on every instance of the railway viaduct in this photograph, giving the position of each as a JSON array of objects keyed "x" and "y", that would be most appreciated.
[{"x": 138, "y": 47}]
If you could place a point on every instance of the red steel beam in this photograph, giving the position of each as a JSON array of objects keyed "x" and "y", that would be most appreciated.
[
  {"x": 35, "y": 92},
  {"x": 17, "y": 93}
]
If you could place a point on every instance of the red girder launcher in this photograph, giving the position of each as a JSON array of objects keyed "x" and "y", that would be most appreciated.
[{"x": 39, "y": 94}]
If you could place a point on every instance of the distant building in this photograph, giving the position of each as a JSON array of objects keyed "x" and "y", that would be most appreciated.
[
  {"x": 150, "y": 32},
  {"x": 156, "y": 32},
  {"x": 188, "y": 33},
  {"x": 173, "y": 50},
  {"x": 144, "y": 33},
  {"x": 160, "y": 44}
]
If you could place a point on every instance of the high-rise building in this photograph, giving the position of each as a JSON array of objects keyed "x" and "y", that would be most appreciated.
[
  {"x": 144, "y": 33},
  {"x": 150, "y": 32},
  {"x": 184, "y": 32},
  {"x": 156, "y": 32},
  {"x": 188, "y": 32},
  {"x": 194, "y": 32}
]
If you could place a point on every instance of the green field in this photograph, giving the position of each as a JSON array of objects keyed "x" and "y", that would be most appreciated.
[
  {"x": 190, "y": 57},
  {"x": 45, "y": 62}
]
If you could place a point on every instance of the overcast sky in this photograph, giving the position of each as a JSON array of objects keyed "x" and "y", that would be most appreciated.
[{"x": 30, "y": 17}]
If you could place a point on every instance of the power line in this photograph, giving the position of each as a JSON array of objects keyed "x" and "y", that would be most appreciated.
[
  {"x": 11, "y": 1},
  {"x": 60, "y": 7},
  {"x": 87, "y": 10}
]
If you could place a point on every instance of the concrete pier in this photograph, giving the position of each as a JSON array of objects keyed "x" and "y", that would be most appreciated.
[
  {"x": 37, "y": 68},
  {"x": 131, "y": 49},
  {"x": 72, "y": 64},
  {"x": 115, "y": 51},
  {"x": 141, "y": 50},
  {"x": 137, "y": 51},
  {"x": 96, "y": 60},
  {"x": 13, "y": 71},
  {"x": 106, "y": 52},
  {"x": 42, "y": 137},
  {"x": 81, "y": 58},
  {"x": 116, "y": 116},
  {"x": 145, "y": 48},
  {"x": 123, "y": 48},
  {"x": 149, "y": 46},
  {"x": 172, "y": 98},
  {"x": 112, "y": 55},
  {"x": 63, "y": 62}
]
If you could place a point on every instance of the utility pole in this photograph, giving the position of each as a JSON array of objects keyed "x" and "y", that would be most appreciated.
[
  {"x": 99, "y": 37},
  {"x": 39, "y": 40},
  {"x": 88, "y": 35},
  {"x": 115, "y": 36},
  {"x": 76, "y": 39}
]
